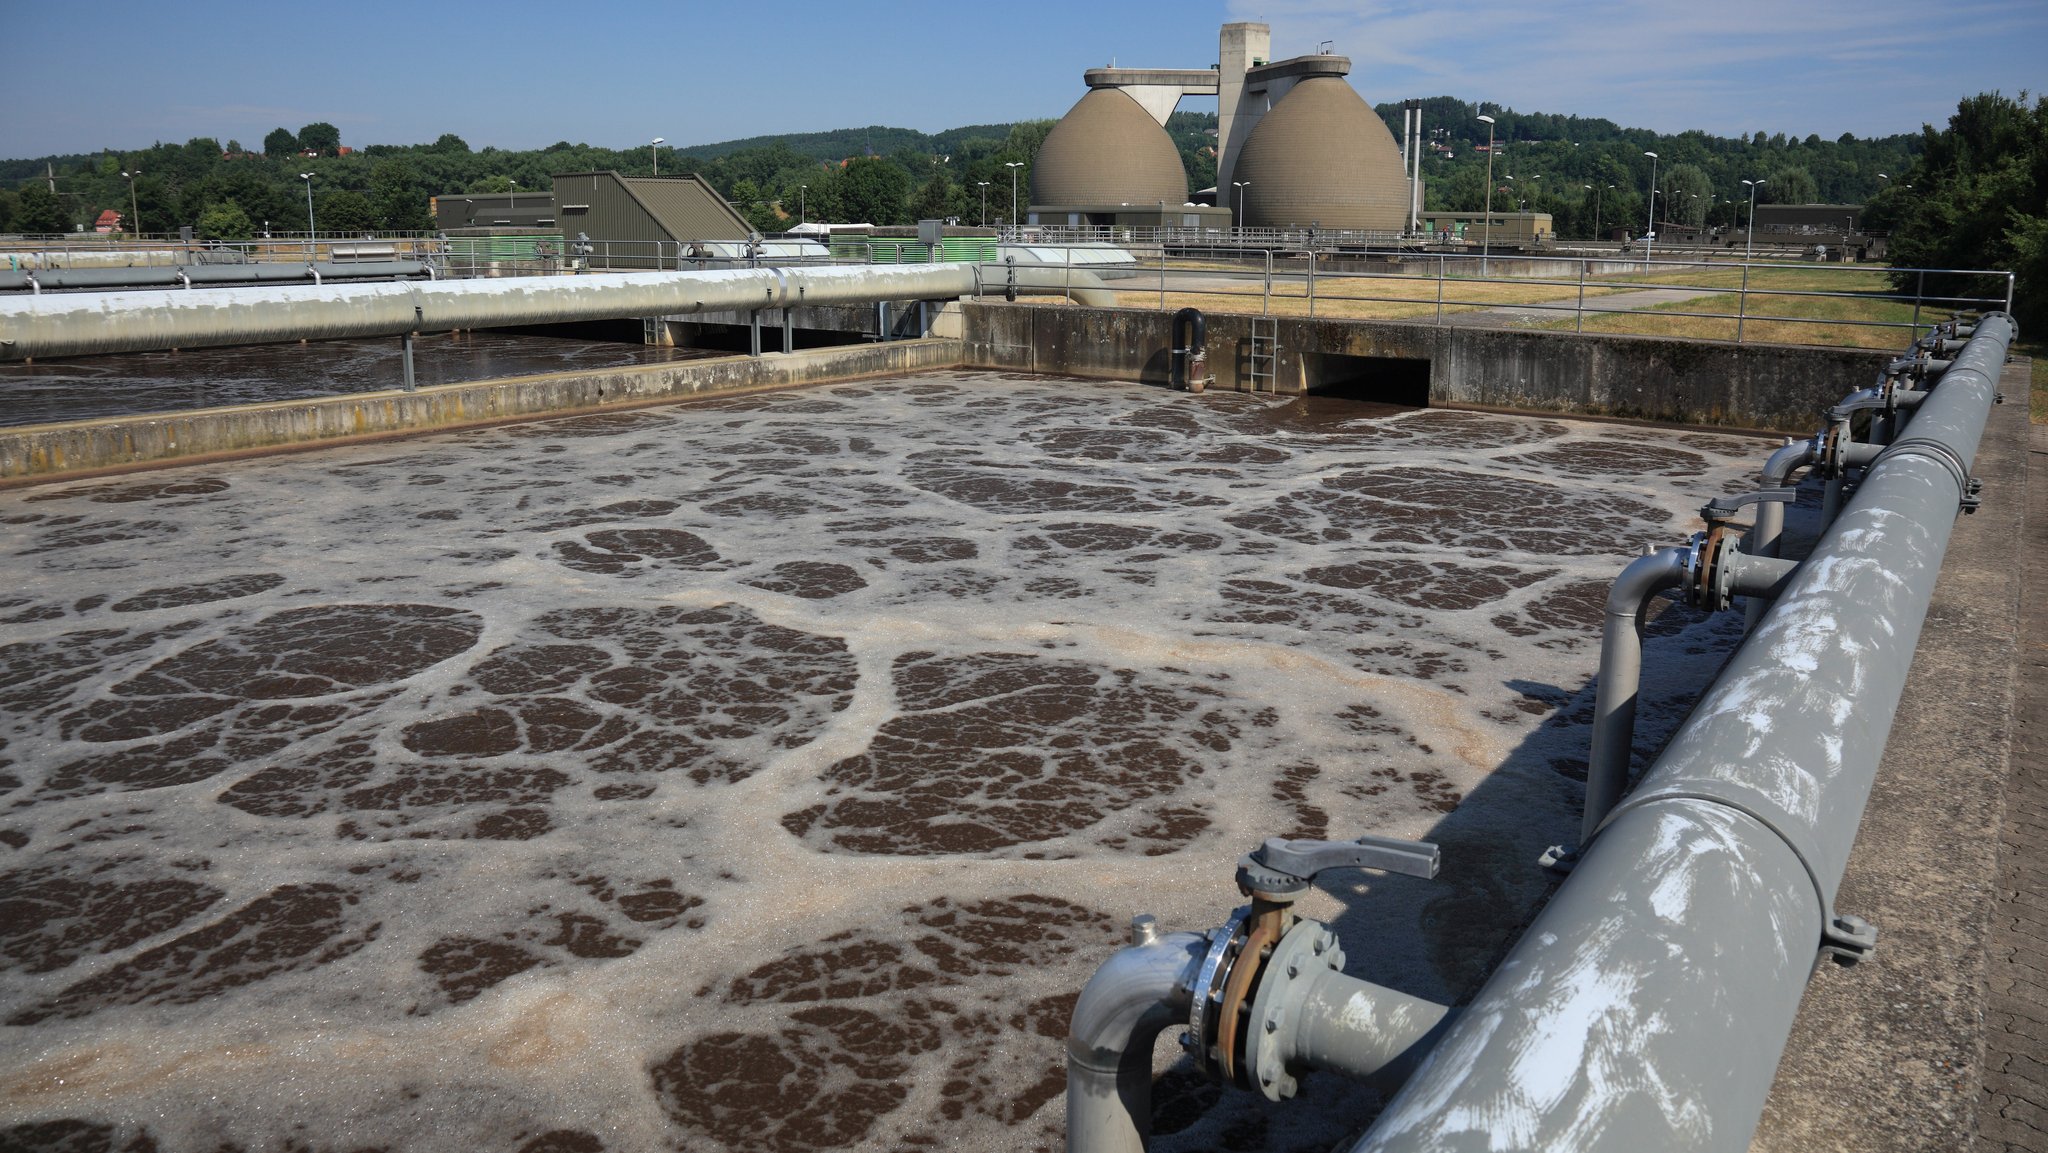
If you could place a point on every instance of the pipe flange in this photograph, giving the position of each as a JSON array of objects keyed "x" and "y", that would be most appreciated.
[
  {"x": 1831, "y": 450},
  {"x": 1206, "y": 1002},
  {"x": 1709, "y": 579},
  {"x": 1717, "y": 583},
  {"x": 1309, "y": 947}
]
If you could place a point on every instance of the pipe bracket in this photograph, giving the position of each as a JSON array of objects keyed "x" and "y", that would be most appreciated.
[{"x": 1847, "y": 938}]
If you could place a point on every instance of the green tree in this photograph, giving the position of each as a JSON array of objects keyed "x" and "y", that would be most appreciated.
[
  {"x": 1791, "y": 185},
  {"x": 280, "y": 142},
  {"x": 40, "y": 211},
  {"x": 346, "y": 211},
  {"x": 223, "y": 221},
  {"x": 937, "y": 200},
  {"x": 1979, "y": 199},
  {"x": 320, "y": 137},
  {"x": 449, "y": 142},
  {"x": 1687, "y": 195},
  {"x": 870, "y": 190},
  {"x": 396, "y": 196}
]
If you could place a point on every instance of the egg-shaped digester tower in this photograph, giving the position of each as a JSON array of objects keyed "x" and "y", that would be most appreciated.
[
  {"x": 1322, "y": 157},
  {"x": 1108, "y": 150}
]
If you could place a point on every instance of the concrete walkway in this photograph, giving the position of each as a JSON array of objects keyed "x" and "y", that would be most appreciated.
[
  {"x": 2013, "y": 1112},
  {"x": 1905, "y": 1053}
]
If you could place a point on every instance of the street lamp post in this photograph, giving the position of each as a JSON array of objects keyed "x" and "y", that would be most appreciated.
[
  {"x": 1240, "y": 185},
  {"x": 803, "y": 205},
  {"x": 513, "y": 212},
  {"x": 656, "y": 149},
  {"x": 134, "y": 210},
  {"x": 1749, "y": 246},
  {"x": 1013, "y": 166},
  {"x": 983, "y": 185},
  {"x": 311, "y": 232},
  {"x": 1650, "y": 237},
  {"x": 1486, "y": 237}
]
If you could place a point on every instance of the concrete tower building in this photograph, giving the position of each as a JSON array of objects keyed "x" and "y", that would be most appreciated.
[
  {"x": 1307, "y": 149},
  {"x": 1108, "y": 150},
  {"x": 1322, "y": 158}
]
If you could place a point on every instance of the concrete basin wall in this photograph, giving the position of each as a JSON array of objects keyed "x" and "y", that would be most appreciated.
[
  {"x": 38, "y": 451},
  {"x": 1777, "y": 388}
]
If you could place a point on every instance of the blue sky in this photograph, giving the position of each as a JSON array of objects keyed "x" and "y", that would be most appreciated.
[{"x": 521, "y": 74}]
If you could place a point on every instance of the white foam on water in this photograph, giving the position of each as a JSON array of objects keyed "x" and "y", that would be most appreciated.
[{"x": 771, "y": 772}]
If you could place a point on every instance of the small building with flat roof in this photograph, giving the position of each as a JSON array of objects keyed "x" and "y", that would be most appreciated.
[
  {"x": 525, "y": 211},
  {"x": 641, "y": 221}
]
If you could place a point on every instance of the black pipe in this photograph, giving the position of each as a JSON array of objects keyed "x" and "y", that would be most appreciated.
[{"x": 1189, "y": 341}]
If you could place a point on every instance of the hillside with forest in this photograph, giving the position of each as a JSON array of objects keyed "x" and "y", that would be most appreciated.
[{"x": 1585, "y": 172}]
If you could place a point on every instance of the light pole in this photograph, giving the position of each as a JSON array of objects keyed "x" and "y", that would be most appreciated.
[
  {"x": 656, "y": 149},
  {"x": 803, "y": 204},
  {"x": 1650, "y": 237},
  {"x": 983, "y": 185},
  {"x": 134, "y": 211},
  {"x": 311, "y": 233},
  {"x": 1749, "y": 246},
  {"x": 1013, "y": 166},
  {"x": 1596, "y": 208},
  {"x": 1486, "y": 237},
  {"x": 513, "y": 212},
  {"x": 1240, "y": 185}
]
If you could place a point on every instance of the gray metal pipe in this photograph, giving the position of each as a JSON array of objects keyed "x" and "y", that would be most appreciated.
[
  {"x": 210, "y": 274},
  {"x": 1360, "y": 1029},
  {"x": 1137, "y": 993},
  {"x": 73, "y": 324},
  {"x": 1770, "y": 515},
  {"x": 1621, "y": 671},
  {"x": 1647, "y": 1007},
  {"x": 1638, "y": 1010}
]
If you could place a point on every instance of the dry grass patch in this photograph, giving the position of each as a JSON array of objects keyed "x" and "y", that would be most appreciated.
[{"x": 1834, "y": 321}]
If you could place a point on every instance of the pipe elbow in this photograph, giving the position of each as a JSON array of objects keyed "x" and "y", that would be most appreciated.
[
  {"x": 1645, "y": 577},
  {"x": 1787, "y": 460},
  {"x": 1136, "y": 993}
]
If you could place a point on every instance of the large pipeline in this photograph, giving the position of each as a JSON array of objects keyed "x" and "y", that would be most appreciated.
[
  {"x": 90, "y": 324},
  {"x": 1648, "y": 1005},
  {"x": 189, "y": 275}
]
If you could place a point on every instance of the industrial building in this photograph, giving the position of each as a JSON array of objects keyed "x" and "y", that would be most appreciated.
[
  {"x": 1297, "y": 147},
  {"x": 631, "y": 221},
  {"x": 522, "y": 211},
  {"x": 616, "y": 221}
]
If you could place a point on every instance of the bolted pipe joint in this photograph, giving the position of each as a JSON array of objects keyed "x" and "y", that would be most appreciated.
[{"x": 1307, "y": 1015}]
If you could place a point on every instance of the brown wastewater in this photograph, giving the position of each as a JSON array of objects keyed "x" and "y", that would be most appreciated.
[{"x": 770, "y": 773}]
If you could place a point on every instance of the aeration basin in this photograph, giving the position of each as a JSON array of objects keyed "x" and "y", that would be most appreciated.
[{"x": 770, "y": 772}]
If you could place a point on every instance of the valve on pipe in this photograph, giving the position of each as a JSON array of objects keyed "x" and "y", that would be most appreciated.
[
  {"x": 1264, "y": 998},
  {"x": 1709, "y": 572},
  {"x": 1243, "y": 992}
]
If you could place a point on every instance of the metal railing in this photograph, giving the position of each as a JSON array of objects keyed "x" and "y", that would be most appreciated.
[
  {"x": 1299, "y": 272},
  {"x": 1716, "y": 299}
]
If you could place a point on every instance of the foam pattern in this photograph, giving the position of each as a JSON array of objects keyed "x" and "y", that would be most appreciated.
[{"x": 770, "y": 773}]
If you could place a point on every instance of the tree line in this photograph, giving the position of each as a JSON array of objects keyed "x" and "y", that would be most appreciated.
[
  {"x": 1592, "y": 176},
  {"x": 1589, "y": 174},
  {"x": 1976, "y": 197},
  {"x": 1969, "y": 194}
]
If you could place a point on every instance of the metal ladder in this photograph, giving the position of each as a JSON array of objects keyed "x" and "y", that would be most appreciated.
[{"x": 1265, "y": 353}]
